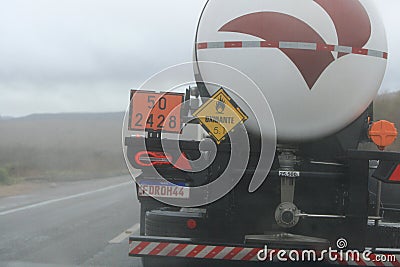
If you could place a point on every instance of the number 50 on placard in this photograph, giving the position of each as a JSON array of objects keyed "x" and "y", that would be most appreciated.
[{"x": 155, "y": 111}]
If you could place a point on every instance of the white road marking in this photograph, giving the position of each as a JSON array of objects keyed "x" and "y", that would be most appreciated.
[
  {"x": 47, "y": 202},
  {"x": 121, "y": 237}
]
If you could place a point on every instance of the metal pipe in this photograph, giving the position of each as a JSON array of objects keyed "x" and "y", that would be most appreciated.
[
  {"x": 378, "y": 201},
  {"x": 322, "y": 216},
  {"x": 390, "y": 209},
  {"x": 326, "y": 216},
  {"x": 326, "y": 163},
  {"x": 375, "y": 218}
]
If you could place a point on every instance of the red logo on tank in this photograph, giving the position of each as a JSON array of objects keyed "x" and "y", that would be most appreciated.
[{"x": 351, "y": 21}]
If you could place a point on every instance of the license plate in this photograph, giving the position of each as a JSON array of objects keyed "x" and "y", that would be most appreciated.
[{"x": 163, "y": 191}]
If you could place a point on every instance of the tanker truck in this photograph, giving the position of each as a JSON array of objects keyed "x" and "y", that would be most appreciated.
[{"x": 272, "y": 152}]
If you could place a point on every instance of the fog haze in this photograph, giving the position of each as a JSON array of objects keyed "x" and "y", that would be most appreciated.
[{"x": 84, "y": 56}]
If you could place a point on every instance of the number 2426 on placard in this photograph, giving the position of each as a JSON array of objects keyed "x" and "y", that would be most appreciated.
[{"x": 155, "y": 111}]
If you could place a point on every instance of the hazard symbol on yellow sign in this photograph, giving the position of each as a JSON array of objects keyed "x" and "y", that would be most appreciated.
[{"x": 219, "y": 115}]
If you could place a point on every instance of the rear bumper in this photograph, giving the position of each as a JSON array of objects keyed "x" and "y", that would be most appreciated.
[{"x": 151, "y": 246}]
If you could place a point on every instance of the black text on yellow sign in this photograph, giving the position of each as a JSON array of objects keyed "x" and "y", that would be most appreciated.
[{"x": 220, "y": 115}]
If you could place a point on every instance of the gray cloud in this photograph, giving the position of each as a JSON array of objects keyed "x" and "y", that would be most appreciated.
[
  {"x": 72, "y": 55},
  {"x": 389, "y": 10},
  {"x": 84, "y": 55}
]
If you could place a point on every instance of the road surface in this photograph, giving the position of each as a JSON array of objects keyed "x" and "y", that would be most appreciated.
[{"x": 84, "y": 223}]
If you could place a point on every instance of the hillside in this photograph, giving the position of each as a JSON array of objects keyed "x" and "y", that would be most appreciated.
[
  {"x": 387, "y": 107},
  {"x": 62, "y": 146}
]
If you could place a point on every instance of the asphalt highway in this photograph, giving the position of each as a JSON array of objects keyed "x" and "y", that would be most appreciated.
[{"x": 84, "y": 223}]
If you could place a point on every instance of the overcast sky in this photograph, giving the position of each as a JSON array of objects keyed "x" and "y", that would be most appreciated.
[{"x": 85, "y": 55}]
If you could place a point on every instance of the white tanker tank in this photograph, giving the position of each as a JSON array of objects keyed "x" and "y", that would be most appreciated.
[{"x": 319, "y": 63}]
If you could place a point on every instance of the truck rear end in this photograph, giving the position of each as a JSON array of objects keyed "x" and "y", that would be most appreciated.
[
  {"x": 312, "y": 200},
  {"x": 271, "y": 153}
]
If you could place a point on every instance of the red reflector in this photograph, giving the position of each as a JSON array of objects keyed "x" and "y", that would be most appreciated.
[
  {"x": 202, "y": 46},
  {"x": 395, "y": 177},
  {"x": 191, "y": 224},
  {"x": 233, "y": 44},
  {"x": 149, "y": 158},
  {"x": 269, "y": 44},
  {"x": 325, "y": 47}
]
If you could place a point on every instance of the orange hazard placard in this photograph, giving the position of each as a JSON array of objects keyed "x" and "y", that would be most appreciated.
[{"x": 155, "y": 111}]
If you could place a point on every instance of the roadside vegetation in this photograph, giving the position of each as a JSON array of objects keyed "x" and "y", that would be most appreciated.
[
  {"x": 387, "y": 107},
  {"x": 61, "y": 147},
  {"x": 5, "y": 178}
]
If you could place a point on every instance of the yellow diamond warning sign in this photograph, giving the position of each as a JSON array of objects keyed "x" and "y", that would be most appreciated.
[{"x": 219, "y": 115}]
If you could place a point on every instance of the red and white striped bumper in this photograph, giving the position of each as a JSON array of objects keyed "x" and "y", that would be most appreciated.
[
  {"x": 182, "y": 250},
  {"x": 234, "y": 253}
]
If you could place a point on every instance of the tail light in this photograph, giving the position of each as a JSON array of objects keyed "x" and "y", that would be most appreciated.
[{"x": 191, "y": 224}]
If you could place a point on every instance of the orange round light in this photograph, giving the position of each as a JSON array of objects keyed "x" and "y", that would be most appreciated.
[
  {"x": 191, "y": 224},
  {"x": 383, "y": 133}
]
